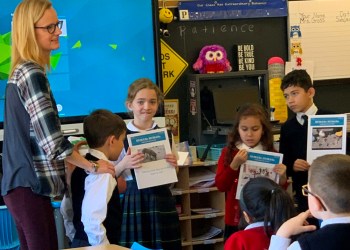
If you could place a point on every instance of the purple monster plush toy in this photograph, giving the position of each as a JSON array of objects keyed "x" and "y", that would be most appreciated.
[{"x": 212, "y": 59}]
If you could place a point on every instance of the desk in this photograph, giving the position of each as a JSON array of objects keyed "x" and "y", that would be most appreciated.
[{"x": 102, "y": 247}]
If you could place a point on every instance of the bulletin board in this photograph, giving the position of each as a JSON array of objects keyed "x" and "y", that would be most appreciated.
[
  {"x": 269, "y": 36},
  {"x": 324, "y": 30}
]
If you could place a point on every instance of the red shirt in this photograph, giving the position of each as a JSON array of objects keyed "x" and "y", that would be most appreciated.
[
  {"x": 226, "y": 180},
  {"x": 250, "y": 239}
]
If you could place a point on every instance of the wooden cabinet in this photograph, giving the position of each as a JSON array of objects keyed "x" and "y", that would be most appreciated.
[{"x": 189, "y": 199}]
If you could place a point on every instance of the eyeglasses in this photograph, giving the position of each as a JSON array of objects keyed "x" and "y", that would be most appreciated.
[
  {"x": 52, "y": 27},
  {"x": 306, "y": 192}
]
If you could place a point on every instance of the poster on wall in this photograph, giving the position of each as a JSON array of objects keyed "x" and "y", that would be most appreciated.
[
  {"x": 244, "y": 57},
  {"x": 172, "y": 118},
  {"x": 320, "y": 33},
  {"x": 231, "y": 9}
]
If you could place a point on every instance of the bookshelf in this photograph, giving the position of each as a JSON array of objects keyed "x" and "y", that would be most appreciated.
[{"x": 191, "y": 201}]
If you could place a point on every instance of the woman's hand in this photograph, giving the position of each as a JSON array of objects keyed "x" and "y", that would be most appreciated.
[
  {"x": 240, "y": 158},
  {"x": 76, "y": 159},
  {"x": 105, "y": 167}
]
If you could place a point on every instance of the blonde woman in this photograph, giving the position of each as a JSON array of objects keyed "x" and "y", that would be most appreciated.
[{"x": 34, "y": 149}]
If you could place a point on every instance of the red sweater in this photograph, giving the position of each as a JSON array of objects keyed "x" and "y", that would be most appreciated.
[
  {"x": 250, "y": 239},
  {"x": 226, "y": 180}
]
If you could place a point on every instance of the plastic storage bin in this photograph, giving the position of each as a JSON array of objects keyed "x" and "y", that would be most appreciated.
[
  {"x": 59, "y": 224},
  {"x": 8, "y": 232},
  {"x": 214, "y": 152}
]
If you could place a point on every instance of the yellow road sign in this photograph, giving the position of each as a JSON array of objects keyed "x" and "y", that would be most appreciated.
[{"x": 173, "y": 66}]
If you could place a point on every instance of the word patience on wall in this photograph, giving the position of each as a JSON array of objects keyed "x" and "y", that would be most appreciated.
[{"x": 213, "y": 29}]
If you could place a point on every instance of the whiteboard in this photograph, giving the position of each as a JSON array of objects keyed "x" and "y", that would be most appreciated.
[{"x": 325, "y": 35}]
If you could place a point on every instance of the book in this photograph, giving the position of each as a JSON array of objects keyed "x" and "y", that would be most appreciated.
[
  {"x": 201, "y": 178},
  {"x": 213, "y": 231},
  {"x": 326, "y": 135},
  {"x": 154, "y": 170},
  {"x": 205, "y": 210},
  {"x": 259, "y": 163}
]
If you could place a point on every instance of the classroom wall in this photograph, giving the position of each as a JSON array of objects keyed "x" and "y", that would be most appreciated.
[
  {"x": 332, "y": 93},
  {"x": 188, "y": 37},
  {"x": 326, "y": 90}
]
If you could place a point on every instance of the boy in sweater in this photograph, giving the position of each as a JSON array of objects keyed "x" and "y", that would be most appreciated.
[
  {"x": 299, "y": 92},
  {"x": 96, "y": 203},
  {"x": 328, "y": 192}
]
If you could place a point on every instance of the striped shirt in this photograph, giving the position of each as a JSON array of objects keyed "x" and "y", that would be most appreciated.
[{"x": 34, "y": 147}]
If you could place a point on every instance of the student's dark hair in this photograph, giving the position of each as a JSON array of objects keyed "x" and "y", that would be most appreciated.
[
  {"x": 101, "y": 124},
  {"x": 299, "y": 78},
  {"x": 233, "y": 137},
  {"x": 329, "y": 177},
  {"x": 265, "y": 201}
]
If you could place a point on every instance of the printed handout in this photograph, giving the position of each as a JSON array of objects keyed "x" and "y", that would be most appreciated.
[
  {"x": 326, "y": 135},
  {"x": 155, "y": 171},
  {"x": 259, "y": 163}
]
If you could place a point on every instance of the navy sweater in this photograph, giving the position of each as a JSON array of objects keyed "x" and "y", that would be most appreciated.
[
  {"x": 333, "y": 236},
  {"x": 113, "y": 220}
]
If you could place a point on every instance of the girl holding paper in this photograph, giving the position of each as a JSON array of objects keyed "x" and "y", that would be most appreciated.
[
  {"x": 251, "y": 130},
  {"x": 149, "y": 215}
]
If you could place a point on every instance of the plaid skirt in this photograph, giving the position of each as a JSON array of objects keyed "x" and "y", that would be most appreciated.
[{"x": 150, "y": 218}]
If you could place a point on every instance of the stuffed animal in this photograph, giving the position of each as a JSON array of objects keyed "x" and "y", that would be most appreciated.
[
  {"x": 212, "y": 59},
  {"x": 296, "y": 49},
  {"x": 165, "y": 17}
]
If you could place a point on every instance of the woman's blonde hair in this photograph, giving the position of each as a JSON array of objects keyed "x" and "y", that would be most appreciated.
[{"x": 24, "y": 43}]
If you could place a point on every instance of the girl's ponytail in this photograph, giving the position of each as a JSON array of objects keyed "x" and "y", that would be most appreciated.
[
  {"x": 263, "y": 200},
  {"x": 281, "y": 208}
]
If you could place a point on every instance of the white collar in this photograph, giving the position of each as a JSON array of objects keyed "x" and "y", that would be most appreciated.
[
  {"x": 338, "y": 220},
  {"x": 133, "y": 128},
  {"x": 98, "y": 154},
  {"x": 241, "y": 145},
  {"x": 255, "y": 224},
  {"x": 311, "y": 111}
]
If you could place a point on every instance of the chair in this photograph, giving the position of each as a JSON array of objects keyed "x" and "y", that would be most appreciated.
[{"x": 8, "y": 232}]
